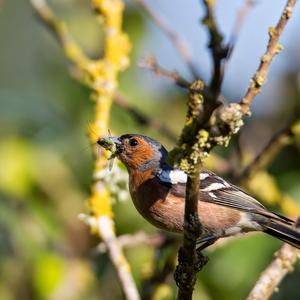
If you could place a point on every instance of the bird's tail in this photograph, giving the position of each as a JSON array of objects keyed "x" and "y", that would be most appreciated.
[{"x": 284, "y": 233}]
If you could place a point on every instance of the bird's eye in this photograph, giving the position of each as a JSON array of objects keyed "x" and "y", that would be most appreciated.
[{"x": 133, "y": 142}]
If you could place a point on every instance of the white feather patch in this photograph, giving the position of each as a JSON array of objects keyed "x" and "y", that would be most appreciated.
[
  {"x": 173, "y": 176},
  {"x": 213, "y": 187},
  {"x": 204, "y": 176},
  {"x": 212, "y": 195},
  {"x": 178, "y": 176}
]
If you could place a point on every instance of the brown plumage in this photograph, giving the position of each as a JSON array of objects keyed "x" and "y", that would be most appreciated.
[
  {"x": 165, "y": 210},
  {"x": 158, "y": 193}
]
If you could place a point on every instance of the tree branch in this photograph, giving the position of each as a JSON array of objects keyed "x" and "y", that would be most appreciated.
[
  {"x": 60, "y": 31},
  {"x": 144, "y": 119},
  {"x": 178, "y": 42},
  {"x": 101, "y": 76},
  {"x": 163, "y": 266},
  {"x": 279, "y": 140},
  {"x": 269, "y": 280},
  {"x": 132, "y": 240},
  {"x": 241, "y": 16},
  {"x": 190, "y": 160},
  {"x": 218, "y": 51},
  {"x": 189, "y": 260},
  {"x": 273, "y": 48},
  {"x": 151, "y": 63},
  {"x": 199, "y": 135}
]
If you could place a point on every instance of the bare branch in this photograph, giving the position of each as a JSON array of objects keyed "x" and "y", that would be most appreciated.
[
  {"x": 117, "y": 257},
  {"x": 162, "y": 267},
  {"x": 190, "y": 261},
  {"x": 59, "y": 30},
  {"x": 102, "y": 81},
  {"x": 143, "y": 119},
  {"x": 218, "y": 51},
  {"x": 151, "y": 63},
  {"x": 198, "y": 137},
  {"x": 179, "y": 43},
  {"x": 241, "y": 16},
  {"x": 273, "y": 48},
  {"x": 131, "y": 240},
  {"x": 279, "y": 140},
  {"x": 272, "y": 276}
]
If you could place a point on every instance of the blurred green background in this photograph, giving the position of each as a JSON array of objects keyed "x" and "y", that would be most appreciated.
[{"x": 46, "y": 252}]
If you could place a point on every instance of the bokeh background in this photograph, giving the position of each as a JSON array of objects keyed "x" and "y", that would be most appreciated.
[{"x": 46, "y": 252}]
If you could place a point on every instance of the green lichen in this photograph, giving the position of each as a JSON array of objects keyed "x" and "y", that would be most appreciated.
[
  {"x": 195, "y": 153},
  {"x": 232, "y": 115},
  {"x": 272, "y": 31},
  {"x": 278, "y": 48},
  {"x": 197, "y": 86}
]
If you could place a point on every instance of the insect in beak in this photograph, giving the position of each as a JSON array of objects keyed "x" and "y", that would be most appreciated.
[{"x": 110, "y": 143}]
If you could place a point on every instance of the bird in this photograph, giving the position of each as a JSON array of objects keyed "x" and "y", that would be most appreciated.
[{"x": 158, "y": 193}]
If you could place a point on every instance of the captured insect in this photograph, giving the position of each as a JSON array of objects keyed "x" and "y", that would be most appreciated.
[{"x": 108, "y": 144}]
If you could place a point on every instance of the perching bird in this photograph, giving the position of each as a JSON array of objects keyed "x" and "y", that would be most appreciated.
[{"x": 158, "y": 193}]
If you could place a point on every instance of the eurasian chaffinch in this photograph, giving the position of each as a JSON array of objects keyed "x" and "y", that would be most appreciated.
[{"x": 158, "y": 193}]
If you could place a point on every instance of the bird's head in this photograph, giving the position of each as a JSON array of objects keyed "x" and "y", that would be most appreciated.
[{"x": 137, "y": 152}]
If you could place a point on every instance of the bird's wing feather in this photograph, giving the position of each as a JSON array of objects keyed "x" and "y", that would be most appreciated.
[{"x": 216, "y": 190}]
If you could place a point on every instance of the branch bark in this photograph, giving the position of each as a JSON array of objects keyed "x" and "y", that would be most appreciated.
[
  {"x": 273, "y": 48},
  {"x": 151, "y": 63},
  {"x": 191, "y": 141},
  {"x": 200, "y": 135},
  {"x": 284, "y": 260},
  {"x": 218, "y": 51},
  {"x": 189, "y": 260}
]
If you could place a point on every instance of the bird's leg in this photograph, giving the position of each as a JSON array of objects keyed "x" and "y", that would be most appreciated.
[{"x": 205, "y": 242}]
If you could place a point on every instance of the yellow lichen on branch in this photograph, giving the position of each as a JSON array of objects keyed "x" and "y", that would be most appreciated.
[{"x": 101, "y": 76}]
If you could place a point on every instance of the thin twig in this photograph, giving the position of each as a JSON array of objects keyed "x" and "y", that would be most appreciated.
[
  {"x": 218, "y": 51},
  {"x": 179, "y": 43},
  {"x": 144, "y": 119},
  {"x": 59, "y": 30},
  {"x": 273, "y": 48},
  {"x": 162, "y": 267},
  {"x": 151, "y": 63},
  {"x": 117, "y": 257},
  {"x": 283, "y": 263},
  {"x": 279, "y": 140},
  {"x": 157, "y": 240},
  {"x": 132, "y": 240},
  {"x": 238, "y": 24}
]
